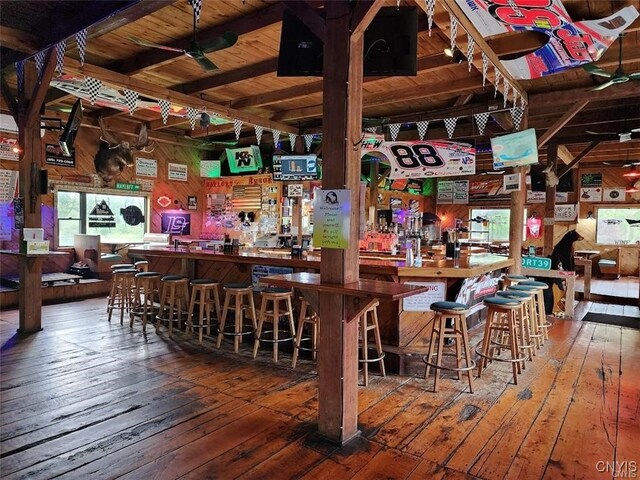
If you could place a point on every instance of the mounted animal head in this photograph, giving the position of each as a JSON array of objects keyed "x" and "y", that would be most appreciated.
[
  {"x": 551, "y": 178},
  {"x": 114, "y": 155}
]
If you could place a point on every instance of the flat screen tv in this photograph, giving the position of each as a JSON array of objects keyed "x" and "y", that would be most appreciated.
[
  {"x": 71, "y": 129},
  {"x": 390, "y": 45},
  {"x": 295, "y": 167}
]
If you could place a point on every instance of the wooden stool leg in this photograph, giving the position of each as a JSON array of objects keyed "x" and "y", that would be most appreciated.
[
  {"x": 315, "y": 326},
  {"x": 261, "y": 315},
  {"x": 486, "y": 341},
  {"x": 238, "y": 323},
  {"x": 192, "y": 305},
  {"x": 456, "y": 331},
  {"x": 467, "y": 353},
  {"x": 223, "y": 319},
  {"x": 216, "y": 295},
  {"x": 276, "y": 328},
  {"x": 514, "y": 347},
  {"x": 365, "y": 349},
  {"x": 207, "y": 310},
  {"x": 203, "y": 305},
  {"x": 432, "y": 344},
  {"x": 378, "y": 340},
  {"x": 163, "y": 297},
  {"x": 441, "y": 327},
  {"x": 298, "y": 337}
]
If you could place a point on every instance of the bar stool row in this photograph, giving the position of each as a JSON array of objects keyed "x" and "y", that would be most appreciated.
[
  {"x": 164, "y": 299},
  {"x": 516, "y": 322}
]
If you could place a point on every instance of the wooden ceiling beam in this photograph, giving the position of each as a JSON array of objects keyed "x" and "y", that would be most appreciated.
[
  {"x": 18, "y": 40},
  {"x": 176, "y": 98},
  {"x": 37, "y": 97},
  {"x": 172, "y": 121},
  {"x": 564, "y": 154},
  {"x": 362, "y": 17},
  {"x": 561, "y": 122},
  {"x": 265, "y": 67},
  {"x": 308, "y": 15},
  {"x": 562, "y": 97},
  {"x": 579, "y": 157}
]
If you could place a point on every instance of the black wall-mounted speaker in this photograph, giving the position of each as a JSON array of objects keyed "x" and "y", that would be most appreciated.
[{"x": 43, "y": 181}]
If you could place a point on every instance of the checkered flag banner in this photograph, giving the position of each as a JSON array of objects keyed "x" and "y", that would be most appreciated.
[
  {"x": 523, "y": 103},
  {"x": 516, "y": 116},
  {"x": 514, "y": 97},
  {"x": 292, "y": 140},
  {"x": 450, "y": 123},
  {"x": 496, "y": 82},
  {"x": 454, "y": 31},
  {"x": 259, "y": 131},
  {"x": 372, "y": 129},
  {"x": 394, "y": 128},
  {"x": 93, "y": 86},
  {"x": 60, "y": 49},
  {"x": 192, "y": 115},
  {"x": 422, "y": 125},
  {"x": 431, "y": 6},
  {"x": 237, "y": 128},
  {"x": 165, "y": 106},
  {"x": 20, "y": 76},
  {"x": 39, "y": 58},
  {"x": 276, "y": 138},
  {"x": 81, "y": 39},
  {"x": 307, "y": 141},
  {"x": 505, "y": 92},
  {"x": 471, "y": 43},
  {"x": 131, "y": 99},
  {"x": 481, "y": 121},
  {"x": 197, "y": 6},
  {"x": 485, "y": 68}
]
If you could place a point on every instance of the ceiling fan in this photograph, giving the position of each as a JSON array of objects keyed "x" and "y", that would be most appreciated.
[
  {"x": 632, "y": 134},
  {"x": 196, "y": 50},
  {"x": 619, "y": 76},
  {"x": 219, "y": 143}
]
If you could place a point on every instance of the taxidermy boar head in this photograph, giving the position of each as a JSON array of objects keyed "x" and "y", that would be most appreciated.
[{"x": 114, "y": 155}]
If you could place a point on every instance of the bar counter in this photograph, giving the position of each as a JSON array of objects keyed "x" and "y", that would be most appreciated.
[{"x": 405, "y": 333}]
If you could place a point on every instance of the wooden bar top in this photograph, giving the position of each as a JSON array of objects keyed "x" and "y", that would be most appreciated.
[{"x": 361, "y": 288}]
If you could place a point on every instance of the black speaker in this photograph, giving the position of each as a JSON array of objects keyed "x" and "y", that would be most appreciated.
[
  {"x": 44, "y": 182},
  {"x": 385, "y": 217}
]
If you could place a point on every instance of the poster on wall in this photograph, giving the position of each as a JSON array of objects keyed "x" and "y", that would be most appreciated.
[
  {"x": 175, "y": 223},
  {"x": 146, "y": 167},
  {"x": 178, "y": 172},
  {"x": 5, "y": 222},
  {"x": 445, "y": 192},
  {"x": 101, "y": 216},
  {"x": 421, "y": 302},
  {"x": 618, "y": 226},
  {"x": 536, "y": 197},
  {"x": 8, "y": 185},
  {"x": 422, "y": 159},
  {"x": 54, "y": 156},
  {"x": 192, "y": 202},
  {"x": 565, "y": 213},
  {"x": 591, "y": 180},
  {"x": 479, "y": 189},
  {"x": 331, "y": 212},
  {"x": 242, "y": 160},
  {"x": 570, "y": 43},
  {"x": 515, "y": 149},
  {"x": 474, "y": 290},
  {"x": 461, "y": 192},
  {"x": 7, "y": 146},
  {"x": 591, "y": 194},
  {"x": 615, "y": 194},
  {"x": 511, "y": 182},
  {"x": 562, "y": 197},
  {"x": 211, "y": 168}
]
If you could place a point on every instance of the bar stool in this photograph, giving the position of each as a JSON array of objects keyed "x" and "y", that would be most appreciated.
[
  {"x": 121, "y": 296},
  {"x": 276, "y": 296},
  {"x": 174, "y": 291},
  {"x": 239, "y": 298},
  {"x": 142, "y": 265},
  {"x": 146, "y": 290},
  {"x": 114, "y": 268},
  {"x": 304, "y": 319},
  {"x": 457, "y": 312},
  {"x": 513, "y": 279},
  {"x": 528, "y": 337},
  {"x": 542, "y": 316},
  {"x": 539, "y": 335},
  {"x": 201, "y": 290},
  {"x": 368, "y": 322},
  {"x": 501, "y": 318}
]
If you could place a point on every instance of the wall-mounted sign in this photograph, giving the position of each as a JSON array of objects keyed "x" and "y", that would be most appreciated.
[
  {"x": 102, "y": 216},
  {"x": 146, "y": 167},
  {"x": 294, "y": 190},
  {"x": 461, "y": 192},
  {"x": 514, "y": 149},
  {"x": 132, "y": 187},
  {"x": 475, "y": 289},
  {"x": 8, "y": 185},
  {"x": 210, "y": 168},
  {"x": 536, "y": 197},
  {"x": 7, "y": 146},
  {"x": 565, "y": 213},
  {"x": 591, "y": 180},
  {"x": 331, "y": 212},
  {"x": 145, "y": 185},
  {"x": 615, "y": 194},
  {"x": 178, "y": 172},
  {"x": 422, "y": 302},
  {"x": 247, "y": 159},
  {"x": 541, "y": 263},
  {"x": 54, "y": 156},
  {"x": 422, "y": 159},
  {"x": 570, "y": 43},
  {"x": 177, "y": 223},
  {"x": 511, "y": 182},
  {"x": 591, "y": 194},
  {"x": 192, "y": 202}
]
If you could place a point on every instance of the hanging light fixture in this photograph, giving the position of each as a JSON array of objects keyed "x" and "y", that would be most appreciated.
[{"x": 632, "y": 173}]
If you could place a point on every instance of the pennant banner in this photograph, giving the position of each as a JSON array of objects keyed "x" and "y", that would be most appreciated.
[
  {"x": 450, "y": 123},
  {"x": 20, "y": 76},
  {"x": 259, "y": 131},
  {"x": 422, "y": 125},
  {"x": 470, "y": 47},
  {"x": 60, "y": 51},
  {"x": 371, "y": 129},
  {"x": 505, "y": 92},
  {"x": 93, "y": 86},
  {"x": 516, "y": 115},
  {"x": 192, "y": 114},
  {"x": 481, "y": 121},
  {"x": 276, "y": 138},
  {"x": 496, "y": 82},
  {"x": 237, "y": 128},
  {"x": 485, "y": 68},
  {"x": 81, "y": 39},
  {"x": 292, "y": 140},
  {"x": 165, "y": 106},
  {"x": 308, "y": 139},
  {"x": 394, "y": 128},
  {"x": 131, "y": 98},
  {"x": 454, "y": 31},
  {"x": 39, "y": 58},
  {"x": 431, "y": 5}
]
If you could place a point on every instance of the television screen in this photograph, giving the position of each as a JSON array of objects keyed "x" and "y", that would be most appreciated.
[
  {"x": 295, "y": 167},
  {"x": 71, "y": 129}
]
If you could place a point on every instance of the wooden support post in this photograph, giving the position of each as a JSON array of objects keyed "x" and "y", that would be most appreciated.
[
  {"x": 374, "y": 178},
  {"x": 516, "y": 218},
  {"x": 550, "y": 205}
]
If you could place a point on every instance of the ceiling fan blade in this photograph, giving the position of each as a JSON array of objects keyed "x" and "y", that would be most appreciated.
[
  {"x": 204, "y": 62},
  {"x": 595, "y": 70},
  {"x": 634, "y": 76},
  {"x": 603, "y": 86},
  {"x": 144, "y": 43},
  {"x": 226, "y": 40},
  {"x": 635, "y": 130},
  {"x": 591, "y": 132}
]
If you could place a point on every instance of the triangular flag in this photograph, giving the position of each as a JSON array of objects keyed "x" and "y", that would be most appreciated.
[
  {"x": 259, "y": 131},
  {"x": 237, "y": 127},
  {"x": 422, "y": 125},
  {"x": 481, "y": 121},
  {"x": 454, "y": 31},
  {"x": 20, "y": 76},
  {"x": 431, "y": 5},
  {"x": 39, "y": 58},
  {"x": 496, "y": 81},
  {"x": 81, "y": 39},
  {"x": 394, "y": 128},
  {"x": 192, "y": 115},
  {"x": 371, "y": 129},
  {"x": 516, "y": 116},
  {"x": 165, "y": 106},
  {"x": 292, "y": 140},
  {"x": 485, "y": 68},
  {"x": 131, "y": 99},
  {"x": 505, "y": 92},
  {"x": 276, "y": 138},
  {"x": 450, "y": 123},
  {"x": 197, "y": 6},
  {"x": 308, "y": 139},
  {"x": 60, "y": 51},
  {"x": 514, "y": 100},
  {"x": 470, "y": 47},
  {"x": 93, "y": 85}
]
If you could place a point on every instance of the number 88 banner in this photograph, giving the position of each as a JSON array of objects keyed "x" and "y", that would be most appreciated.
[{"x": 422, "y": 159}]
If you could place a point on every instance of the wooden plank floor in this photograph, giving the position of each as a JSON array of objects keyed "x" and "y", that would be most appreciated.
[{"x": 88, "y": 399}]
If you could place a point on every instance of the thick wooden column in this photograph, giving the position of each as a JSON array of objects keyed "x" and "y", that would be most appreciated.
[
  {"x": 342, "y": 118},
  {"x": 550, "y": 205},
  {"x": 516, "y": 218}
]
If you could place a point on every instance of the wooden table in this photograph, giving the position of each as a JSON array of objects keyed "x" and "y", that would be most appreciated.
[{"x": 587, "y": 254}]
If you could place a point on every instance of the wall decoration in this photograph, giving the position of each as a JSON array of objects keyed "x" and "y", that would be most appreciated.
[
  {"x": 591, "y": 180},
  {"x": 422, "y": 302},
  {"x": 514, "y": 149},
  {"x": 5, "y": 222},
  {"x": 54, "y": 156},
  {"x": 101, "y": 216},
  {"x": 7, "y": 146},
  {"x": 614, "y": 194},
  {"x": 18, "y": 213},
  {"x": 445, "y": 192},
  {"x": 419, "y": 159},
  {"x": 210, "y": 168},
  {"x": 132, "y": 215},
  {"x": 146, "y": 167},
  {"x": 511, "y": 182},
  {"x": 562, "y": 197},
  {"x": 536, "y": 197},
  {"x": 8, "y": 185},
  {"x": 178, "y": 172},
  {"x": 591, "y": 194},
  {"x": 460, "y": 192},
  {"x": 534, "y": 227},
  {"x": 331, "y": 212},
  {"x": 241, "y": 160},
  {"x": 570, "y": 44},
  {"x": 481, "y": 189},
  {"x": 175, "y": 223},
  {"x": 192, "y": 202},
  {"x": 565, "y": 213}
]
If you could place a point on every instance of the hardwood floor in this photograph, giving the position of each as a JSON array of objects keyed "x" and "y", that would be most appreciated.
[{"x": 89, "y": 399}]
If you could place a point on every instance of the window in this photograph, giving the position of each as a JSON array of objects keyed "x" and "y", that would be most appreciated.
[
  {"x": 618, "y": 226},
  {"x": 116, "y": 218},
  {"x": 496, "y": 228}
]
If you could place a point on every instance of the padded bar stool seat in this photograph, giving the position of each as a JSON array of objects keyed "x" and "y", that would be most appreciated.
[
  {"x": 174, "y": 296},
  {"x": 276, "y": 296},
  {"x": 201, "y": 291},
  {"x": 239, "y": 299},
  {"x": 147, "y": 290},
  {"x": 457, "y": 313},
  {"x": 307, "y": 317},
  {"x": 513, "y": 279},
  {"x": 142, "y": 265}
]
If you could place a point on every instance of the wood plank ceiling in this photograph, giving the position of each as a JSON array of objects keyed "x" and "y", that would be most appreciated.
[{"x": 246, "y": 85}]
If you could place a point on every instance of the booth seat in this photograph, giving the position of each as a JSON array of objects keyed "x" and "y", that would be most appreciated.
[
  {"x": 88, "y": 251},
  {"x": 610, "y": 263}
]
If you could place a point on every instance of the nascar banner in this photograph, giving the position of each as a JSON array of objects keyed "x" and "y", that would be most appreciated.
[
  {"x": 422, "y": 159},
  {"x": 570, "y": 44}
]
